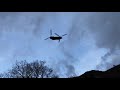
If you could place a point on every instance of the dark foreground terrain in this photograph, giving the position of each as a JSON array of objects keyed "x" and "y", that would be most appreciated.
[{"x": 111, "y": 73}]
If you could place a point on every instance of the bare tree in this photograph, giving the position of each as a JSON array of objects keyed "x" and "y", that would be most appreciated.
[{"x": 36, "y": 69}]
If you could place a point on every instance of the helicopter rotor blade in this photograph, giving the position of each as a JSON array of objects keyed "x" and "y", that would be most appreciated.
[
  {"x": 64, "y": 34},
  {"x": 47, "y": 38},
  {"x": 57, "y": 34},
  {"x": 50, "y": 32}
]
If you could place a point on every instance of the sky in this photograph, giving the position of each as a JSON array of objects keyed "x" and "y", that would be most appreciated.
[{"x": 92, "y": 41}]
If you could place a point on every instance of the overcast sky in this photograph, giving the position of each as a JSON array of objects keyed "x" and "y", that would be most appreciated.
[{"x": 92, "y": 40}]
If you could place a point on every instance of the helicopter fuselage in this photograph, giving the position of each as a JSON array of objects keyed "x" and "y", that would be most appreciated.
[
  {"x": 55, "y": 38},
  {"x": 58, "y": 37}
]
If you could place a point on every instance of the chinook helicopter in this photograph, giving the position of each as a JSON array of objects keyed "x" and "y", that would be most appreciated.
[{"x": 58, "y": 37}]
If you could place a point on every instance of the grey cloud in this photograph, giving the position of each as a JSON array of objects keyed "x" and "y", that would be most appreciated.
[
  {"x": 103, "y": 28},
  {"x": 106, "y": 29}
]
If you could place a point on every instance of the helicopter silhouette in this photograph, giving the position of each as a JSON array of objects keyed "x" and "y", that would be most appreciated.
[{"x": 58, "y": 37}]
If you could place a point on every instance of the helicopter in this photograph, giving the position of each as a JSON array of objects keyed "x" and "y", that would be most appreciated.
[{"x": 58, "y": 37}]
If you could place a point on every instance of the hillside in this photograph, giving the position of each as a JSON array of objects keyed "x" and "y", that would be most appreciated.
[{"x": 111, "y": 73}]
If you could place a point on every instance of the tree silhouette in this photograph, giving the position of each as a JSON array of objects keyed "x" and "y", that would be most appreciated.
[{"x": 35, "y": 69}]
